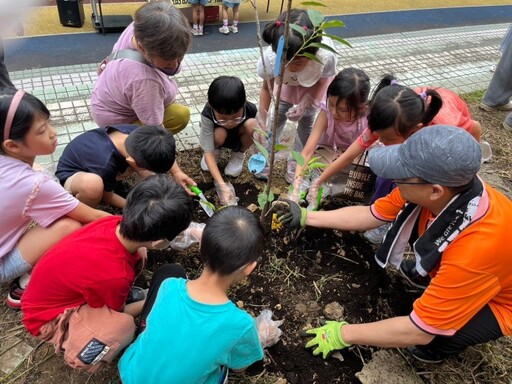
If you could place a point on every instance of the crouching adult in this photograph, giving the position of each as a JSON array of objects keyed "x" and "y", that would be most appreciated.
[
  {"x": 458, "y": 227},
  {"x": 77, "y": 296}
]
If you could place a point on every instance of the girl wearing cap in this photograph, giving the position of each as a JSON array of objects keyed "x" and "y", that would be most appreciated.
[{"x": 29, "y": 196}]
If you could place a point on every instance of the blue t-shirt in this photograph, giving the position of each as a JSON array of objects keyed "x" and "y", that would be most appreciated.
[
  {"x": 94, "y": 152},
  {"x": 186, "y": 342}
]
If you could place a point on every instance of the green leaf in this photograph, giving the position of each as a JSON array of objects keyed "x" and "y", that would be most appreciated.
[
  {"x": 316, "y": 17},
  {"x": 337, "y": 38},
  {"x": 312, "y": 4},
  {"x": 270, "y": 197},
  {"x": 332, "y": 24},
  {"x": 311, "y": 57},
  {"x": 261, "y": 132},
  {"x": 298, "y": 29},
  {"x": 262, "y": 150},
  {"x": 323, "y": 46},
  {"x": 262, "y": 200},
  {"x": 298, "y": 158},
  {"x": 280, "y": 147},
  {"x": 317, "y": 165}
]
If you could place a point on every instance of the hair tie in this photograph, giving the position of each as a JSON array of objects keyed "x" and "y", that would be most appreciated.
[
  {"x": 15, "y": 102},
  {"x": 278, "y": 23},
  {"x": 393, "y": 82},
  {"x": 423, "y": 95},
  {"x": 304, "y": 27}
]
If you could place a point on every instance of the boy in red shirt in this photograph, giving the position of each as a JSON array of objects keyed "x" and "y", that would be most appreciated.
[{"x": 76, "y": 296}]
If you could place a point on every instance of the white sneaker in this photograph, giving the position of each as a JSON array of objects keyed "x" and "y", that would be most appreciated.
[
  {"x": 204, "y": 167},
  {"x": 376, "y": 235},
  {"x": 195, "y": 31},
  {"x": 235, "y": 164},
  {"x": 200, "y": 32},
  {"x": 233, "y": 29},
  {"x": 224, "y": 29}
]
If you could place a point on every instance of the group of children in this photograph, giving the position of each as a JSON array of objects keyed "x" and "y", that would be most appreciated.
[
  {"x": 88, "y": 317},
  {"x": 77, "y": 295}
]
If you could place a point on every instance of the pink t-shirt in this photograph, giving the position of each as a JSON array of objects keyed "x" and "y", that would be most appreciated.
[
  {"x": 127, "y": 90},
  {"x": 340, "y": 134},
  {"x": 28, "y": 195}
]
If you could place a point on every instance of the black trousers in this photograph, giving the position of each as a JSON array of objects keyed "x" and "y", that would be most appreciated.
[
  {"x": 483, "y": 327},
  {"x": 164, "y": 272}
]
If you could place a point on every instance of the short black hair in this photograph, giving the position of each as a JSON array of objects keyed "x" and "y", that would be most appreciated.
[
  {"x": 152, "y": 147},
  {"x": 232, "y": 238},
  {"x": 157, "y": 208},
  {"x": 226, "y": 95}
]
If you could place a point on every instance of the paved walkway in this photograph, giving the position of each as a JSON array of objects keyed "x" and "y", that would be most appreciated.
[{"x": 455, "y": 58}]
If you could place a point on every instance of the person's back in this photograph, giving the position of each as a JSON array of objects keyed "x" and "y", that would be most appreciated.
[
  {"x": 76, "y": 270},
  {"x": 93, "y": 162},
  {"x": 201, "y": 329},
  {"x": 198, "y": 339}
]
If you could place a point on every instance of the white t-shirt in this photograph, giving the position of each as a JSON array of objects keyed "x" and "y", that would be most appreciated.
[
  {"x": 27, "y": 196},
  {"x": 296, "y": 85}
]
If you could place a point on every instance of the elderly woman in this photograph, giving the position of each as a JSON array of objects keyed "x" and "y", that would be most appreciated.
[{"x": 136, "y": 87}]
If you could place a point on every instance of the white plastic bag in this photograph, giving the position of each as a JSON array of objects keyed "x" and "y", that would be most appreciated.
[
  {"x": 296, "y": 112},
  {"x": 268, "y": 329},
  {"x": 233, "y": 200},
  {"x": 189, "y": 236}
]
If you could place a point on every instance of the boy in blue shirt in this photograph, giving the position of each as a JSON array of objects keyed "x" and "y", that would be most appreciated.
[
  {"x": 94, "y": 161},
  {"x": 190, "y": 329}
]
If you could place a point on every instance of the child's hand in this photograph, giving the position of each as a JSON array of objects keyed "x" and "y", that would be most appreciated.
[
  {"x": 184, "y": 180},
  {"x": 227, "y": 196},
  {"x": 268, "y": 329},
  {"x": 313, "y": 193}
]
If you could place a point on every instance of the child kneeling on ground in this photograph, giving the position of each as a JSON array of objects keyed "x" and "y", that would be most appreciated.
[
  {"x": 78, "y": 290},
  {"x": 94, "y": 161},
  {"x": 228, "y": 121},
  {"x": 203, "y": 332}
]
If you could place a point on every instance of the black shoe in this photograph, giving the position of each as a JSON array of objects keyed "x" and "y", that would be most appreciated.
[
  {"x": 425, "y": 355},
  {"x": 136, "y": 294},
  {"x": 408, "y": 270}
]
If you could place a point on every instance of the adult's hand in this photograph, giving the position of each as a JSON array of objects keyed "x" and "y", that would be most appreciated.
[
  {"x": 289, "y": 213},
  {"x": 327, "y": 338}
]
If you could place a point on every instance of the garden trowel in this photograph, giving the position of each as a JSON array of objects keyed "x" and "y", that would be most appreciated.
[{"x": 208, "y": 207}]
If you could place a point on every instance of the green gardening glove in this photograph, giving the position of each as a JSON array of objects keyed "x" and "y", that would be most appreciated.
[
  {"x": 327, "y": 338},
  {"x": 290, "y": 213}
]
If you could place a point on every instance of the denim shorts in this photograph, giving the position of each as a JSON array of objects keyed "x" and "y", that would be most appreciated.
[
  {"x": 230, "y": 4},
  {"x": 202, "y": 2},
  {"x": 12, "y": 266}
]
